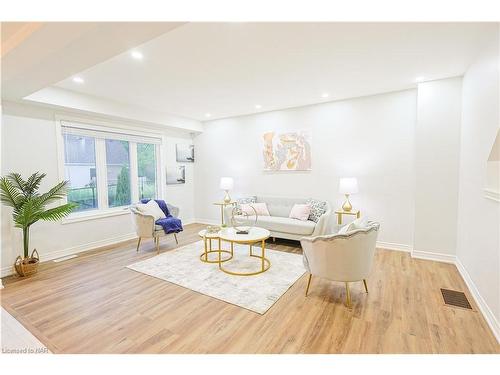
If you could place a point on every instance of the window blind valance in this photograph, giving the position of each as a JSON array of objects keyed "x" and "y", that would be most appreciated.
[{"x": 87, "y": 130}]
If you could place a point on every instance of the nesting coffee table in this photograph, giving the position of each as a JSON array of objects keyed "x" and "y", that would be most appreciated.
[{"x": 256, "y": 235}]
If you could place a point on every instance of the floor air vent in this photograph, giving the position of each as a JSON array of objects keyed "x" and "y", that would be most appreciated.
[{"x": 456, "y": 299}]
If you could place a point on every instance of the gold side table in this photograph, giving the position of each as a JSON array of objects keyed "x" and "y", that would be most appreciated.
[
  {"x": 339, "y": 214},
  {"x": 207, "y": 239},
  {"x": 222, "y": 206}
]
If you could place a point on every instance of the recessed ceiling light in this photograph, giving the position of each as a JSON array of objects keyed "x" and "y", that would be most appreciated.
[
  {"x": 419, "y": 79},
  {"x": 78, "y": 80},
  {"x": 207, "y": 115},
  {"x": 325, "y": 95},
  {"x": 258, "y": 106},
  {"x": 137, "y": 55}
]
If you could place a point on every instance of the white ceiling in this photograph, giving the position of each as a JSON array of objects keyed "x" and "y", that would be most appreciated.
[{"x": 225, "y": 69}]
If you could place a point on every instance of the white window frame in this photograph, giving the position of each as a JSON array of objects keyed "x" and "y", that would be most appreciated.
[{"x": 103, "y": 209}]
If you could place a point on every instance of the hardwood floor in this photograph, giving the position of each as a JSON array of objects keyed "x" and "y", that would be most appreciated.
[{"x": 93, "y": 304}]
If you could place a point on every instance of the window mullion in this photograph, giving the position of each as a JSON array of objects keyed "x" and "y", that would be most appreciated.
[
  {"x": 134, "y": 172},
  {"x": 101, "y": 173}
]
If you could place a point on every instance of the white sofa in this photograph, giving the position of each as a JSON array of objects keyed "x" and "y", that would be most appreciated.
[{"x": 279, "y": 224}]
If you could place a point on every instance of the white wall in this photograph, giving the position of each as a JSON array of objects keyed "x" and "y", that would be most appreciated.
[
  {"x": 478, "y": 243},
  {"x": 29, "y": 145},
  {"x": 437, "y": 150},
  {"x": 371, "y": 138}
]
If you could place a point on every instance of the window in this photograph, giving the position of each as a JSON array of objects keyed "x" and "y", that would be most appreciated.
[
  {"x": 79, "y": 170},
  {"x": 146, "y": 170},
  {"x": 108, "y": 168},
  {"x": 118, "y": 170}
]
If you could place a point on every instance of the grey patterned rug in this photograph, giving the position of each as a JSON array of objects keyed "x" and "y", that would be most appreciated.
[{"x": 256, "y": 293}]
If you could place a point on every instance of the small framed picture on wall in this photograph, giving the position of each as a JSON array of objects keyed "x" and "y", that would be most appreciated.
[
  {"x": 176, "y": 175},
  {"x": 184, "y": 153}
]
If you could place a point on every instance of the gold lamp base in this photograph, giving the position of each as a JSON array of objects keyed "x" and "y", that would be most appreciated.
[
  {"x": 347, "y": 206},
  {"x": 227, "y": 198}
]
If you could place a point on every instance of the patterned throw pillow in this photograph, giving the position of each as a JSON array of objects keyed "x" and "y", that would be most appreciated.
[
  {"x": 246, "y": 200},
  {"x": 318, "y": 208}
]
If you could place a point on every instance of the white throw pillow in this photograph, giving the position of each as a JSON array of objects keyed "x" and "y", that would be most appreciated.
[
  {"x": 344, "y": 229},
  {"x": 360, "y": 223},
  {"x": 151, "y": 208},
  {"x": 300, "y": 211}
]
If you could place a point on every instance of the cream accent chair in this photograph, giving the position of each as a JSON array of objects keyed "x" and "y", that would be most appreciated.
[
  {"x": 341, "y": 257},
  {"x": 145, "y": 226}
]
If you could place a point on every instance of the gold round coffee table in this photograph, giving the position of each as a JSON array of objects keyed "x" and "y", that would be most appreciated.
[
  {"x": 254, "y": 236},
  {"x": 207, "y": 239}
]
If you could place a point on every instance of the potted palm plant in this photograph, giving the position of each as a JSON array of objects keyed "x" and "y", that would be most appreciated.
[{"x": 30, "y": 206}]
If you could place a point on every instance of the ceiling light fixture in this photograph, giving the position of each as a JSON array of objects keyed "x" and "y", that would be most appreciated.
[
  {"x": 78, "y": 80},
  {"x": 325, "y": 95},
  {"x": 258, "y": 106},
  {"x": 137, "y": 55},
  {"x": 207, "y": 115},
  {"x": 419, "y": 79}
]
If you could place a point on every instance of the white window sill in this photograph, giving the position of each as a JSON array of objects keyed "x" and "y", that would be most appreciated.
[
  {"x": 492, "y": 194},
  {"x": 95, "y": 214}
]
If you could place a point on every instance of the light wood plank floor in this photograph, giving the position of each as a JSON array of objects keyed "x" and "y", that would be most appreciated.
[{"x": 93, "y": 304}]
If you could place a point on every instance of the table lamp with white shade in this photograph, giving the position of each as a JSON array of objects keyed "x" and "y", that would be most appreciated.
[
  {"x": 226, "y": 184},
  {"x": 347, "y": 186}
]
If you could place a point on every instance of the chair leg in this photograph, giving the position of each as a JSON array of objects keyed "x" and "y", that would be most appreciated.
[
  {"x": 175, "y": 236},
  {"x": 366, "y": 286},
  {"x": 348, "y": 295},
  {"x": 157, "y": 239},
  {"x": 308, "y": 283},
  {"x": 138, "y": 244}
]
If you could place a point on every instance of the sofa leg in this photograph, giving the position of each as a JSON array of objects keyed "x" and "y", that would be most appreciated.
[
  {"x": 308, "y": 283},
  {"x": 157, "y": 240},
  {"x": 274, "y": 239},
  {"x": 138, "y": 244},
  {"x": 175, "y": 236},
  {"x": 366, "y": 286},
  {"x": 347, "y": 295}
]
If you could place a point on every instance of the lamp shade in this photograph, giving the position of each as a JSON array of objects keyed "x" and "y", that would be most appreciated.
[
  {"x": 348, "y": 185},
  {"x": 226, "y": 183}
]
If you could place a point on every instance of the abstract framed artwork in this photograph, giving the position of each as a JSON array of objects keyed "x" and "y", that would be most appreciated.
[
  {"x": 290, "y": 151},
  {"x": 176, "y": 175},
  {"x": 184, "y": 153}
]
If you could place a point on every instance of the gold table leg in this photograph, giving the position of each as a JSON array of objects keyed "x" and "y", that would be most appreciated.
[
  {"x": 219, "y": 251},
  {"x": 265, "y": 263}
]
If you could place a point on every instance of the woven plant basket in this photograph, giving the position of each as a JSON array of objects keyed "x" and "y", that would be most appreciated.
[{"x": 27, "y": 266}]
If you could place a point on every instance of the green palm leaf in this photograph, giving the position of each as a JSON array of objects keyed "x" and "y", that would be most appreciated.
[
  {"x": 28, "y": 213},
  {"x": 57, "y": 213},
  {"x": 17, "y": 181},
  {"x": 33, "y": 182},
  {"x": 56, "y": 193},
  {"x": 9, "y": 194}
]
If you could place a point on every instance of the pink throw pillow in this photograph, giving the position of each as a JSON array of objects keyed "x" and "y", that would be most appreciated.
[
  {"x": 261, "y": 209},
  {"x": 300, "y": 211}
]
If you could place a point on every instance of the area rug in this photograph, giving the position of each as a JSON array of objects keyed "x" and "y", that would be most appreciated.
[{"x": 256, "y": 293}]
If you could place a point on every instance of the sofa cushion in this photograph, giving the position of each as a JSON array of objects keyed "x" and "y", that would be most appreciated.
[
  {"x": 245, "y": 200},
  {"x": 300, "y": 212},
  {"x": 281, "y": 224},
  {"x": 279, "y": 206},
  {"x": 318, "y": 208}
]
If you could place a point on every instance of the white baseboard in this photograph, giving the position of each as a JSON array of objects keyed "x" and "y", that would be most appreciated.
[
  {"x": 9, "y": 270},
  {"x": 393, "y": 246},
  {"x": 480, "y": 302},
  {"x": 438, "y": 257},
  {"x": 207, "y": 221}
]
